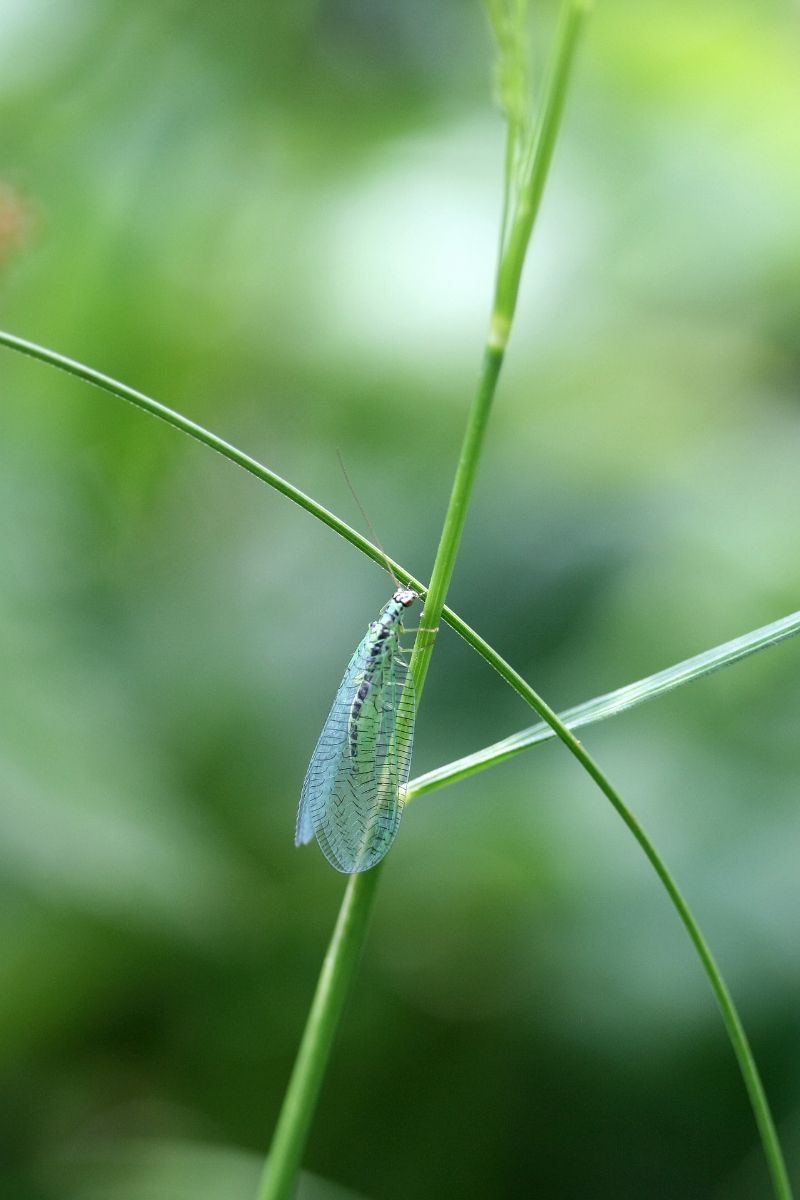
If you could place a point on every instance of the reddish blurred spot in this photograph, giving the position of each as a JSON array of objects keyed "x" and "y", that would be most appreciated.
[{"x": 16, "y": 221}]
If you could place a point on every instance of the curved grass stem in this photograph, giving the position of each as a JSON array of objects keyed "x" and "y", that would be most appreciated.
[
  {"x": 349, "y": 934},
  {"x": 351, "y": 927},
  {"x": 213, "y": 441},
  {"x": 589, "y": 711},
  {"x": 610, "y": 704},
  {"x": 733, "y": 1024}
]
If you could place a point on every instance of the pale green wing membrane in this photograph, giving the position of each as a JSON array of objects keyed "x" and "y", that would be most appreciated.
[{"x": 352, "y": 794}]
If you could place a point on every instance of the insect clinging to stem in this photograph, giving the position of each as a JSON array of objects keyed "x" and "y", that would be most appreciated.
[{"x": 352, "y": 794}]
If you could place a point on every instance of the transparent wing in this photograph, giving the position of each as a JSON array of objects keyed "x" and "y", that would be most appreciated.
[
  {"x": 332, "y": 743},
  {"x": 351, "y": 794}
]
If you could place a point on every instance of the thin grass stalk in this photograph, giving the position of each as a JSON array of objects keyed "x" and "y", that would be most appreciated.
[
  {"x": 611, "y": 704},
  {"x": 730, "y": 1016},
  {"x": 350, "y": 931},
  {"x": 293, "y": 1123},
  {"x": 585, "y": 713}
]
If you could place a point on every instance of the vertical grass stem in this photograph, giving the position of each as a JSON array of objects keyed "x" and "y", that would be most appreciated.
[
  {"x": 299, "y": 1103},
  {"x": 346, "y": 944}
]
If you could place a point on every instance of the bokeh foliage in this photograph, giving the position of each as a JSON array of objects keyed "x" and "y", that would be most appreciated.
[{"x": 281, "y": 219}]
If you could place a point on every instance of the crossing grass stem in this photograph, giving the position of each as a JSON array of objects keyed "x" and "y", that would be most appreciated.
[{"x": 346, "y": 944}]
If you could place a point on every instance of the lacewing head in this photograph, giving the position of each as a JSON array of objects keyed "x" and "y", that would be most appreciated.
[{"x": 405, "y": 596}]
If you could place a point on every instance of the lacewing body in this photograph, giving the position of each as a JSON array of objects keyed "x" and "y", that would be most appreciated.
[{"x": 352, "y": 797}]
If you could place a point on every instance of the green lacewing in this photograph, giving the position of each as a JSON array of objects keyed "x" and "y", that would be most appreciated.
[{"x": 352, "y": 797}]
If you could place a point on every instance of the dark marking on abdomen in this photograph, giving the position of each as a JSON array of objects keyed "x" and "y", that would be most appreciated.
[{"x": 355, "y": 711}]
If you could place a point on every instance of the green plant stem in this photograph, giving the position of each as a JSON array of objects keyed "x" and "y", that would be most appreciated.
[
  {"x": 456, "y": 515},
  {"x": 349, "y": 935},
  {"x": 294, "y": 1120},
  {"x": 610, "y": 704},
  {"x": 587, "y": 712},
  {"x": 343, "y": 952},
  {"x": 338, "y": 969},
  {"x": 213, "y": 441},
  {"x": 730, "y": 1016},
  {"x": 509, "y": 274},
  {"x": 362, "y": 900},
  {"x": 350, "y": 931},
  {"x": 571, "y": 20}
]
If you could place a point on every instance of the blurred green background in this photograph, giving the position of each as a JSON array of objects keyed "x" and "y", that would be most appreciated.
[{"x": 281, "y": 220}]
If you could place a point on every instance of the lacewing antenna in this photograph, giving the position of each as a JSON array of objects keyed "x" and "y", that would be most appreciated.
[{"x": 364, "y": 514}]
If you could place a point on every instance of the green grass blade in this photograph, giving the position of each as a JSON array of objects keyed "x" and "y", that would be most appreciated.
[
  {"x": 285, "y": 1155},
  {"x": 534, "y": 170},
  {"x": 611, "y": 703},
  {"x": 335, "y": 978},
  {"x": 735, "y": 1029},
  {"x": 342, "y": 954},
  {"x": 169, "y": 416},
  {"x": 206, "y": 437}
]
